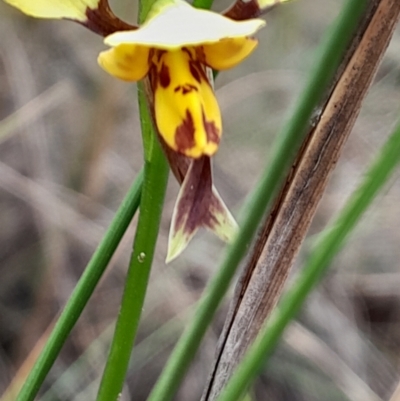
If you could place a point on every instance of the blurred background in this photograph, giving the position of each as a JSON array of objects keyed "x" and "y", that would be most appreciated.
[{"x": 70, "y": 147}]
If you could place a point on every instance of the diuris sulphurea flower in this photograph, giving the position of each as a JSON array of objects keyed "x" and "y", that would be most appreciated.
[
  {"x": 175, "y": 50},
  {"x": 175, "y": 46}
]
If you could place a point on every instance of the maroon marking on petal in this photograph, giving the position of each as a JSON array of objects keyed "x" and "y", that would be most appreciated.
[
  {"x": 187, "y": 88},
  {"x": 212, "y": 131},
  {"x": 242, "y": 10},
  {"x": 215, "y": 208},
  {"x": 153, "y": 77},
  {"x": 194, "y": 71},
  {"x": 184, "y": 134},
  {"x": 198, "y": 204},
  {"x": 196, "y": 196},
  {"x": 178, "y": 162},
  {"x": 200, "y": 55},
  {"x": 201, "y": 69},
  {"x": 160, "y": 54},
  {"x": 188, "y": 52},
  {"x": 164, "y": 76},
  {"x": 102, "y": 20}
]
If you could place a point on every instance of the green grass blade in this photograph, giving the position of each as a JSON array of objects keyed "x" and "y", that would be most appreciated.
[
  {"x": 154, "y": 186},
  {"x": 326, "y": 248},
  {"x": 288, "y": 143},
  {"x": 74, "y": 380},
  {"x": 82, "y": 292}
]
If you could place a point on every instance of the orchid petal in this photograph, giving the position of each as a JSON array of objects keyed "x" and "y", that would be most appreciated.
[
  {"x": 198, "y": 205},
  {"x": 186, "y": 111},
  {"x": 126, "y": 62},
  {"x": 178, "y": 24},
  {"x": 227, "y": 53},
  {"x": 55, "y": 9},
  {"x": 94, "y": 14}
]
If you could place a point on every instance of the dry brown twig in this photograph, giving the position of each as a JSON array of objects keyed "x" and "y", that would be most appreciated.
[{"x": 283, "y": 231}]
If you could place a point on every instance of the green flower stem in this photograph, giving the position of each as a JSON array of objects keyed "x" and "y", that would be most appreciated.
[
  {"x": 289, "y": 141},
  {"x": 205, "y": 4},
  {"x": 82, "y": 292},
  {"x": 154, "y": 186},
  {"x": 326, "y": 248}
]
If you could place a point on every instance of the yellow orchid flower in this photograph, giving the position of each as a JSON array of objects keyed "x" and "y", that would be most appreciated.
[{"x": 175, "y": 48}]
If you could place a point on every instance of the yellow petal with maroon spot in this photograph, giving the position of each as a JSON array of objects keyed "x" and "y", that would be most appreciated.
[
  {"x": 126, "y": 62},
  {"x": 227, "y": 53},
  {"x": 94, "y": 14},
  {"x": 186, "y": 111}
]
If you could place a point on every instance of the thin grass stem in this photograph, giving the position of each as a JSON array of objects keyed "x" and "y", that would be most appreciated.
[{"x": 83, "y": 291}]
